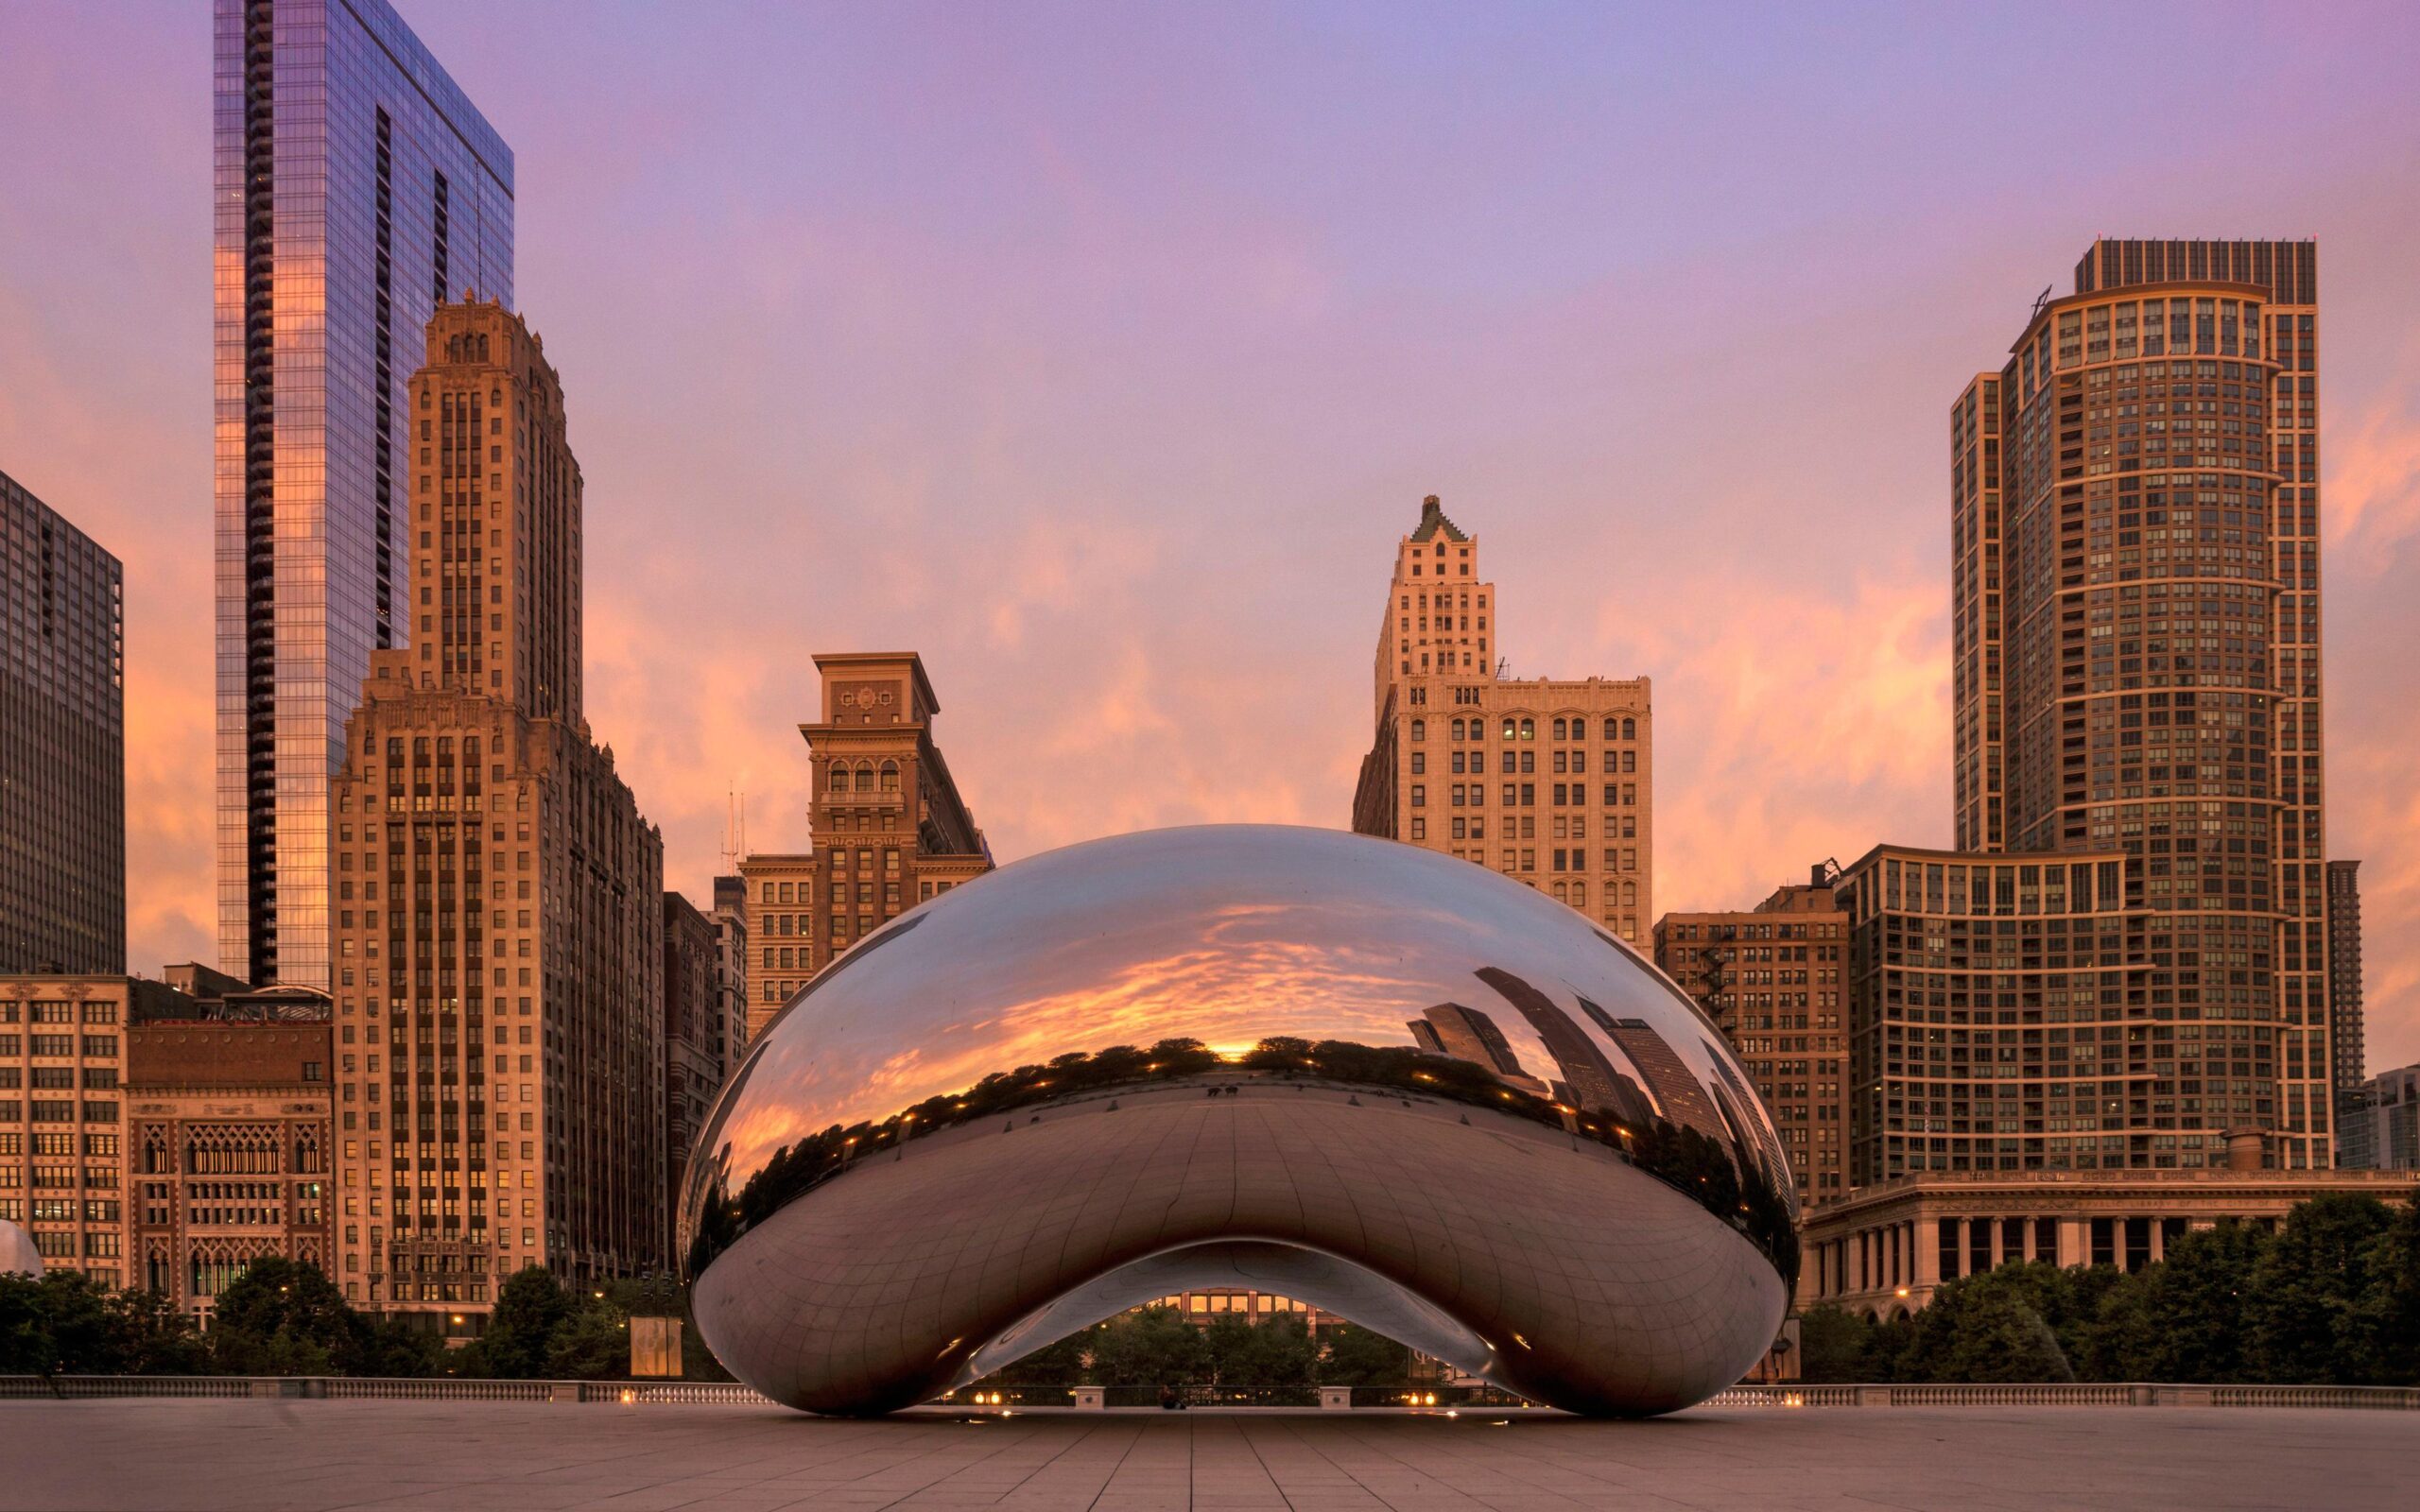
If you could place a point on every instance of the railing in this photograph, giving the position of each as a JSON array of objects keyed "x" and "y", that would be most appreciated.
[
  {"x": 19, "y": 1386},
  {"x": 1424, "y": 1398},
  {"x": 2068, "y": 1394},
  {"x": 1432, "y": 1396}
]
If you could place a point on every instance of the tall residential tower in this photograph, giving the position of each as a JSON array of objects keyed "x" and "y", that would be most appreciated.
[
  {"x": 2135, "y": 623},
  {"x": 356, "y": 190}
]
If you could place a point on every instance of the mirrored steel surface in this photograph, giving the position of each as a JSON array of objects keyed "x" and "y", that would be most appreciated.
[{"x": 1156, "y": 1014}]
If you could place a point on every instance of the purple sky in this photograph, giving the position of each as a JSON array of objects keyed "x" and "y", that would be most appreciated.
[{"x": 1101, "y": 353}]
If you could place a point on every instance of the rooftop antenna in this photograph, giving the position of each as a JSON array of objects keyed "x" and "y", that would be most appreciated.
[
  {"x": 2041, "y": 298},
  {"x": 734, "y": 830}
]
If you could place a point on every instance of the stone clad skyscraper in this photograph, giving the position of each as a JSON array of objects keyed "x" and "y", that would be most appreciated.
[
  {"x": 498, "y": 899},
  {"x": 2135, "y": 623},
  {"x": 63, "y": 745},
  {"x": 1548, "y": 782},
  {"x": 356, "y": 189}
]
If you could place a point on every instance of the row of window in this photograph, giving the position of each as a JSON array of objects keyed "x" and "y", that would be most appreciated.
[
  {"x": 1525, "y": 795},
  {"x": 1573, "y": 727},
  {"x": 1513, "y": 763}
]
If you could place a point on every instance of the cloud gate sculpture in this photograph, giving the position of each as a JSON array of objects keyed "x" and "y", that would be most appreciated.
[{"x": 1396, "y": 1085}]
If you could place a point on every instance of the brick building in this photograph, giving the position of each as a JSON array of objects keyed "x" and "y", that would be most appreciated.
[
  {"x": 1773, "y": 980},
  {"x": 230, "y": 1148}
]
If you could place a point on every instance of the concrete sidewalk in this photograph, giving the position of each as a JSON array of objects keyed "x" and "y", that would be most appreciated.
[{"x": 192, "y": 1455}]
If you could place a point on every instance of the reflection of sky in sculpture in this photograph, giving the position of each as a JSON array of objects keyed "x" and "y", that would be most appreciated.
[{"x": 1228, "y": 935}]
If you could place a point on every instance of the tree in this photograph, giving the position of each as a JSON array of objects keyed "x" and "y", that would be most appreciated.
[
  {"x": 2387, "y": 1312},
  {"x": 2183, "y": 1319},
  {"x": 1059, "y": 1362},
  {"x": 1149, "y": 1347},
  {"x": 1277, "y": 1352},
  {"x": 591, "y": 1342},
  {"x": 1834, "y": 1345},
  {"x": 26, "y": 1347},
  {"x": 528, "y": 1306},
  {"x": 2303, "y": 1320},
  {"x": 1355, "y": 1356},
  {"x": 65, "y": 1324},
  {"x": 284, "y": 1318}
]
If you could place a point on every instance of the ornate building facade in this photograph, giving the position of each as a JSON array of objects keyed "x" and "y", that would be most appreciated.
[
  {"x": 497, "y": 897},
  {"x": 1550, "y": 783},
  {"x": 890, "y": 829},
  {"x": 229, "y": 1145}
]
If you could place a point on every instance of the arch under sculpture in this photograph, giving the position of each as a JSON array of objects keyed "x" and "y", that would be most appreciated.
[{"x": 1398, "y": 1085}]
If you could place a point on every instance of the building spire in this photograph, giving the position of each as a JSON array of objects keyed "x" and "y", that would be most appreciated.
[{"x": 1433, "y": 520}]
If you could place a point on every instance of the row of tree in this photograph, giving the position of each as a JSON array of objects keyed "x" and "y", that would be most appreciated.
[
  {"x": 1159, "y": 1347},
  {"x": 2332, "y": 1298},
  {"x": 284, "y": 1318}
]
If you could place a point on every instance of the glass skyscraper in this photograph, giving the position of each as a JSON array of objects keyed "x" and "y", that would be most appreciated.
[
  {"x": 62, "y": 745},
  {"x": 356, "y": 188}
]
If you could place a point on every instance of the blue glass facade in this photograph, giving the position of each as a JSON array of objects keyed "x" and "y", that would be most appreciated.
[{"x": 355, "y": 188}]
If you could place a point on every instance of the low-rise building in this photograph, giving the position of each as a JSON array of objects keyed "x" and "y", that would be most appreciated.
[
  {"x": 229, "y": 1148},
  {"x": 1884, "y": 1250},
  {"x": 2380, "y": 1129},
  {"x": 63, "y": 1117}
]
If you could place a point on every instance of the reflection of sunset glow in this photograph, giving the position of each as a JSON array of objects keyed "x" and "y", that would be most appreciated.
[{"x": 1074, "y": 953}]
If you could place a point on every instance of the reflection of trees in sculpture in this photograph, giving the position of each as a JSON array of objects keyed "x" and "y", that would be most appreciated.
[{"x": 1684, "y": 1158}]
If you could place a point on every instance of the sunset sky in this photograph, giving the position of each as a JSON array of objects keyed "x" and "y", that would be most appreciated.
[{"x": 1101, "y": 354}]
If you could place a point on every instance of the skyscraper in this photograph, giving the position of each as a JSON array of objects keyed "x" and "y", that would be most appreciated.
[
  {"x": 2135, "y": 623},
  {"x": 63, "y": 745},
  {"x": 356, "y": 189},
  {"x": 499, "y": 910},
  {"x": 1548, "y": 782}
]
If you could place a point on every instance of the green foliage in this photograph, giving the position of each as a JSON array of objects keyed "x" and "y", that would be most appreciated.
[
  {"x": 591, "y": 1343},
  {"x": 1355, "y": 1356},
  {"x": 1276, "y": 1351},
  {"x": 66, "y": 1325},
  {"x": 2304, "y": 1320},
  {"x": 2387, "y": 1317},
  {"x": 2181, "y": 1319},
  {"x": 1057, "y": 1364},
  {"x": 2021, "y": 1322},
  {"x": 530, "y": 1307},
  {"x": 1834, "y": 1345},
  {"x": 1152, "y": 1347}
]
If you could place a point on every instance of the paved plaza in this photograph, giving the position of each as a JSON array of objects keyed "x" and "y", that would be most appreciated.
[{"x": 267, "y": 1454}]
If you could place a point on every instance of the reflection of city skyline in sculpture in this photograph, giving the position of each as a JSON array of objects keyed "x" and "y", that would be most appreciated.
[
  {"x": 911, "y": 1180},
  {"x": 1466, "y": 1034},
  {"x": 1678, "y": 1096}
]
